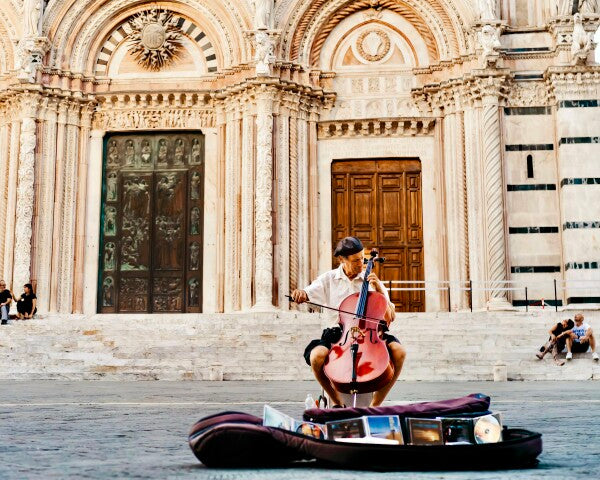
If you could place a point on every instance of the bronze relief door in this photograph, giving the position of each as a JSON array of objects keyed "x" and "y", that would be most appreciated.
[
  {"x": 152, "y": 219},
  {"x": 379, "y": 201}
]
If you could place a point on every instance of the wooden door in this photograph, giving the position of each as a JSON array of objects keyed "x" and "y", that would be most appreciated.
[
  {"x": 379, "y": 201},
  {"x": 151, "y": 233}
]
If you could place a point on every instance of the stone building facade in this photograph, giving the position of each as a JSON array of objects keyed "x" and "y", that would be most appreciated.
[{"x": 192, "y": 155}]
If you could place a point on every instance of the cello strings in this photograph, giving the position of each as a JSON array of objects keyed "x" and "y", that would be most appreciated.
[{"x": 368, "y": 319}]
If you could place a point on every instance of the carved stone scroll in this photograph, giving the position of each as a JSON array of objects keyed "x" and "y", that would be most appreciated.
[
  {"x": 263, "y": 202},
  {"x": 25, "y": 194}
]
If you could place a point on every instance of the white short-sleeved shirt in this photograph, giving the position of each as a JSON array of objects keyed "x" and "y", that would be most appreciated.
[
  {"x": 580, "y": 331},
  {"x": 332, "y": 287}
]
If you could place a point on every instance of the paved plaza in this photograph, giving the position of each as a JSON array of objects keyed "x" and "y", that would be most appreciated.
[{"x": 53, "y": 429}]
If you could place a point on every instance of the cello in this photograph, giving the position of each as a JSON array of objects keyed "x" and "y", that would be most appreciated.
[{"x": 360, "y": 361}]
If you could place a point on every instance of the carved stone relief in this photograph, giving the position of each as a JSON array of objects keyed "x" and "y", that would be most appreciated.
[
  {"x": 155, "y": 38},
  {"x": 373, "y": 45},
  {"x": 108, "y": 292},
  {"x": 195, "y": 221},
  {"x": 109, "y": 257},
  {"x": 195, "y": 256},
  {"x": 194, "y": 292},
  {"x": 110, "y": 222}
]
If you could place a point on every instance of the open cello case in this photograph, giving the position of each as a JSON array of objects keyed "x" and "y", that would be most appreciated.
[{"x": 239, "y": 440}]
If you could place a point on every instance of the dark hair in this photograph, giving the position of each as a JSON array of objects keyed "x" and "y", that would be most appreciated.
[
  {"x": 570, "y": 324},
  {"x": 30, "y": 287}
]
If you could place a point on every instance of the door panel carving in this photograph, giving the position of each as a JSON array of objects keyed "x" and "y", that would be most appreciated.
[
  {"x": 379, "y": 201},
  {"x": 152, "y": 227}
]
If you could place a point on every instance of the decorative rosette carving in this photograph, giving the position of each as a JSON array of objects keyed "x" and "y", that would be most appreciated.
[
  {"x": 373, "y": 45},
  {"x": 155, "y": 38}
]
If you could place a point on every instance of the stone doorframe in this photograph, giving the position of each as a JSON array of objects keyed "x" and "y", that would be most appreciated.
[
  {"x": 117, "y": 117},
  {"x": 392, "y": 138}
]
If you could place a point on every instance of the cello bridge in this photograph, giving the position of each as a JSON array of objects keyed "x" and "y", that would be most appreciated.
[{"x": 356, "y": 333}]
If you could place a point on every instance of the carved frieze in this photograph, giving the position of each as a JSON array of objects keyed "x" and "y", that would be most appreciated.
[
  {"x": 152, "y": 119},
  {"x": 376, "y": 128},
  {"x": 529, "y": 94}
]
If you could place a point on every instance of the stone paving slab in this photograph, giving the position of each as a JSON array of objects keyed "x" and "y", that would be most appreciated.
[{"x": 139, "y": 429}]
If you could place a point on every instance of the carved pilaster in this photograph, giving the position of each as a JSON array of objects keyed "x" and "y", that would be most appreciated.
[
  {"x": 283, "y": 208},
  {"x": 263, "y": 202},
  {"x": 25, "y": 192},
  {"x": 11, "y": 201},
  {"x": 80, "y": 216},
  {"x": 58, "y": 205},
  {"x": 46, "y": 205},
  {"x": 475, "y": 209},
  {"x": 303, "y": 204},
  {"x": 294, "y": 205},
  {"x": 4, "y": 165},
  {"x": 232, "y": 273},
  {"x": 247, "y": 252},
  {"x": 67, "y": 237}
]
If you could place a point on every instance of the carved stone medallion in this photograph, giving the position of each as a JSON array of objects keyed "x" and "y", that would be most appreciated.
[
  {"x": 155, "y": 38},
  {"x": 373, "y": 45}
]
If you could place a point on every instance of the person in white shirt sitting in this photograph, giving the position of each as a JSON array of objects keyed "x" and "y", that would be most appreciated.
[
  {"x": 331, "y": 289},
  {"x": 581, "y": 339}
]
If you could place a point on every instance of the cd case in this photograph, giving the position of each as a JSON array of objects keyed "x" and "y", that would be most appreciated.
[
  {"x": 425, "y": 431},
  {"x": 274, "y": 418},
  {"x": 369, "y": 428},
  {"x": 456, "y": 431}
]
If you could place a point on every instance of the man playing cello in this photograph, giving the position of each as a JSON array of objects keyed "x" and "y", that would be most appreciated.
[{"x": 330, "y": 289}]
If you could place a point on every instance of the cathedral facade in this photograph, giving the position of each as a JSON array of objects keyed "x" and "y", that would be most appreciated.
[{"x": 202, "y": 156}]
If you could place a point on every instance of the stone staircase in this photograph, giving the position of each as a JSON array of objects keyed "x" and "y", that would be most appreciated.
[{"x": 269, "y": 346}]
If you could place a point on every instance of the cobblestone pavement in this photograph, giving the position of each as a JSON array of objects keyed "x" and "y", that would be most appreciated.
[{"x": 139, "y": 429}]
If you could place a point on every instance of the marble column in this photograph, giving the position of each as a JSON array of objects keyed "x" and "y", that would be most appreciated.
[
  {"x": 263, "y": 201},
  {"x": 247, "y": 220},
  {"x": 303, "y": 204},
  {"x": 494, "y": 202},
  {"x": 92, "y": 222},
  {"x": 25, "y": 193},
  {"x": 67, "y": 224},
  {"x": 4, "y": 166},
  {"x": 232, "y": 223},
  {"x": 58, "y": 202},
  {"x": 475, "y": 205},
  {"x": 283, "y": 209},
  {"x": 46, "y": 181},
  {"x": 455, "y": 207},
  {"x": 11, "y": 203},
  {"x": 80, "y": 214},
  {"x": 293, "y": 189}
]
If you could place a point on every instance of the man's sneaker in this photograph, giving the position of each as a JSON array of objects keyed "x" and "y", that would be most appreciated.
[
  {"x": 569, "y": 356},
  {"x": 595, "y": 356}
]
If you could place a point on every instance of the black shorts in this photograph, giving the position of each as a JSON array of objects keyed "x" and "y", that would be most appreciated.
[
  {"x": 332, "y": 335},
  {"x": 580, "y": 347}
]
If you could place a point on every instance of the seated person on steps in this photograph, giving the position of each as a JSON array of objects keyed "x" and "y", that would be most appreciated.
[
  {"x": 581, "y": 339},
  {"x": 557, "y": 341},
  {"x": 330, "y": 289},
  {"x": 5, "y": 300}
]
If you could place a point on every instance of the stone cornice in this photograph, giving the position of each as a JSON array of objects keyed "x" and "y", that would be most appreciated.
[
  {"x": 479, "y": 86},
  {"x": 574, "y": 82},
  {"x": 380, "y": 127}
]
